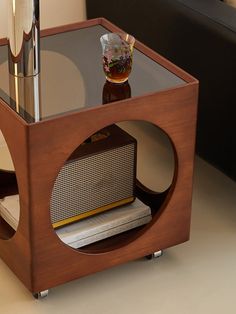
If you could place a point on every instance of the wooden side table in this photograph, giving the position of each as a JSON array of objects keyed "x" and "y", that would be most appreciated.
[{"x": 70, "y": 111}]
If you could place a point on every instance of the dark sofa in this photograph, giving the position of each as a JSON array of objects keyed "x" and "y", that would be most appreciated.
[{"x": 200, "y": 37}]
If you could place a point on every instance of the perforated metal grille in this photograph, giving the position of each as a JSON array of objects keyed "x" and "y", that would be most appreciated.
[{"x": 92, "y": 182}]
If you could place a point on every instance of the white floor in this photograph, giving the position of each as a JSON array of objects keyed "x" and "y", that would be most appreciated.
[{"x": 196, "y": 277}]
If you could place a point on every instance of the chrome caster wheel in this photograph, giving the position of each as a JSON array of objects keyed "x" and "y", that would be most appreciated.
[
  {"x": 155, "y": 255},
  {"x": 41, "y": 294}
]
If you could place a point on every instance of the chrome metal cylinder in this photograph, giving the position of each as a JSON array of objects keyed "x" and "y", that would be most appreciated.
[
  {"x": 24, "y": 37},
  {"x": 26, "y": 96}
]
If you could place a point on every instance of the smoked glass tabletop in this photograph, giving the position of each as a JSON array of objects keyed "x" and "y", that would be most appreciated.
[{"x": 72, "y": 78}]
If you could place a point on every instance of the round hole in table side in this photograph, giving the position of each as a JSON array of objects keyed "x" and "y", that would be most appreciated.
[
  {"x": 9, "y": 198},
  {"x": 93, "y": 190}
]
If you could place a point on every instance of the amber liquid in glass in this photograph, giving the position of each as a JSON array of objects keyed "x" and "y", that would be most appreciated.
[{"x": 117, "y": 70}]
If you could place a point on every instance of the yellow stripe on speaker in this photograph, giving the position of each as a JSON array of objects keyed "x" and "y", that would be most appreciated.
[{"x": 92, "y": 212}]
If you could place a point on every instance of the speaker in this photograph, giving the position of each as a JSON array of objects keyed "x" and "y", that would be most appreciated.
[{"x": 99, "y": 175}]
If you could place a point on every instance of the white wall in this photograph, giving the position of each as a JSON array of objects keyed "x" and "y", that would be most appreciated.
[
  {"x": 53, "y": 13},
  {"x": 3, "y": 21}
]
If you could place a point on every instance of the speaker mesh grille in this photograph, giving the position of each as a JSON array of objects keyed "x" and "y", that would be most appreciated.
[{"x": 92, "y": 182}]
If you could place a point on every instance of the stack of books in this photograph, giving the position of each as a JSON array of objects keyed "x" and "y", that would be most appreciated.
[
  {"x": 89, "y": 230},
  {"x": 10, "y": 210}
]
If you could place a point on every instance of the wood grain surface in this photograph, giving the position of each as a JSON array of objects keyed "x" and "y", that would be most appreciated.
[{"x": 35, "y": 253}]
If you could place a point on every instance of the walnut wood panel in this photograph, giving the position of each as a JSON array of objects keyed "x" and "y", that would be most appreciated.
[
  {"x": 16, "y": 251},
  {"x": 174, "y": 112},
  {"x": 6, "y": 232},
  {"x": 39, "y": 151}
]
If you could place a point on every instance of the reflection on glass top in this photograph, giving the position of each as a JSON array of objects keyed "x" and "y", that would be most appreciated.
[{"x": 72, "y": 77}]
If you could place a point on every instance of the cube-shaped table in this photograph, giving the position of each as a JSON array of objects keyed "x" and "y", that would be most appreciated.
[{"x": 74, "y": 102}]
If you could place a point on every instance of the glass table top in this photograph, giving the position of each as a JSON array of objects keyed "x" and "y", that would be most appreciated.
[{"x": 72, "y": 77}]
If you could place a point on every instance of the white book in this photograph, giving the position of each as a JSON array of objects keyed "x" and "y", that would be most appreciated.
[
  {"x": 89, "y": 230},
  {"x": 10, "y": 210},
  {"x": 109, "y": 232},
  {"x": 106, "y": 224}
]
